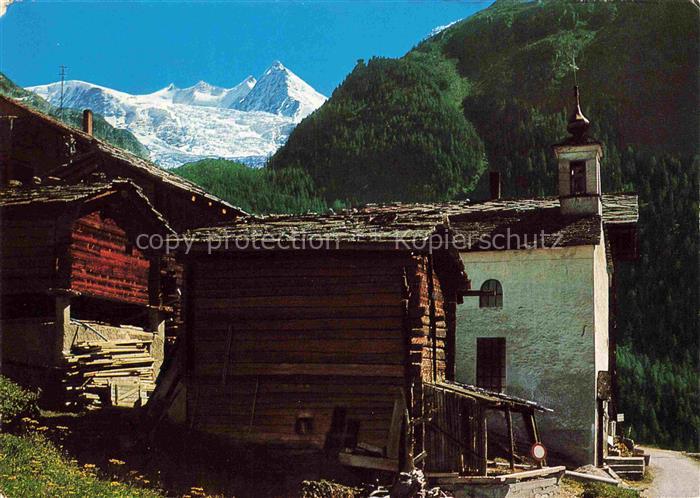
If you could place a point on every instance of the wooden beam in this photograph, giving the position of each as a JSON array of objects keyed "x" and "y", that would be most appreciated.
[
  {"x": 483, "y": 444},
  {"x": 511, "y": 449},
  {"x": 479, "y": 293},
  {"x": 532, "y": 424},
  {"x": 394, "y": 440},
  {"x": 323, "y": 369},
  {"x": 368, "y": 462}
]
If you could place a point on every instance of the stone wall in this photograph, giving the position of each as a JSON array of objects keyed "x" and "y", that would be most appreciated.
[
  {"x": 31, "y": 355},
  {"x": 549, "y": 322},
  {"x": 601, "y": 290}
]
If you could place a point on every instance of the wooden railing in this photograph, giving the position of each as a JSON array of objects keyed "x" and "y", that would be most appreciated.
[{"x": 456, "y": 434}]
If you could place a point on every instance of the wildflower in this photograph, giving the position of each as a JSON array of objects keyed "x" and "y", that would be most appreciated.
[
  {"x": 42, "y": 428},
  {"x": 114, "y": 483},
  {"x": 89, "y": 465},
  {"x": 116, "y": 462}
]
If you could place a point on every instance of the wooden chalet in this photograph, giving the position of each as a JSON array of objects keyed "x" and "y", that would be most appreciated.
[
  {"x": 81, "y": 313},
  {"x": 336, "y": 332},
  {"x": 33, "y": 144}
]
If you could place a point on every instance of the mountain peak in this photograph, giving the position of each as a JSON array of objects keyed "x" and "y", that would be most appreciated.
[
  {"x": 280, "y": 91},
  {"x": 203, "y": 85},
  {"x": 275, "y": 66}
]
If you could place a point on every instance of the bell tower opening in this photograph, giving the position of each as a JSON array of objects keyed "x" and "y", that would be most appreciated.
[{"x": 579, "y": 166}]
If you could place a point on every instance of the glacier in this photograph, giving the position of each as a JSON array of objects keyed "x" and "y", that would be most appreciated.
[{"x": 247, "y": 122}]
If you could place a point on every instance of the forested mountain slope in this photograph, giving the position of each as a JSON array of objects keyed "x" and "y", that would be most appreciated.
[
  {"x": 492, "y": 92},
  {"x": 255, "y": 190}
]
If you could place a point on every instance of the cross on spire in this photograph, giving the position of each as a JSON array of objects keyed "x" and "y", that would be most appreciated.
[{"x": 574, "y": 67}]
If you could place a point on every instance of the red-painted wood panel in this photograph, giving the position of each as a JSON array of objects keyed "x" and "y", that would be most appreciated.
[{"x": 104, "y": 264}]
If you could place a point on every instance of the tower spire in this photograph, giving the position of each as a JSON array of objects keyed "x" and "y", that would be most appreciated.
[{"x": 578, "y": 123}]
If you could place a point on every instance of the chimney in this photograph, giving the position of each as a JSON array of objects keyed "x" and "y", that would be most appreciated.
[
  {"x": 87, "y": 121},
  {"x": 495, "y": 183}
]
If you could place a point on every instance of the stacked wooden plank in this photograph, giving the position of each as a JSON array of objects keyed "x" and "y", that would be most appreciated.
[
  {"x": 629, "y": 467},
  {"x": 118, "y": 372}
]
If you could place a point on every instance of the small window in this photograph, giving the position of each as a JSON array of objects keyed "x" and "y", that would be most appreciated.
[
  {"x": 578, "y": 177},
  {"x": 492, "y": 295},
  {"x": 491, "y": 363}
]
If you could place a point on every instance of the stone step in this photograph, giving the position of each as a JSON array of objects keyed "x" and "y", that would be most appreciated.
[
  {"x": 631, "y": 476},
  {"x": 627, "y": 468},
  {"x": 611, "y": 460}
]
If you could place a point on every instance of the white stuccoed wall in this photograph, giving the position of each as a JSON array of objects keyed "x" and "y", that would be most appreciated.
[{"x": 555, "y": 321}]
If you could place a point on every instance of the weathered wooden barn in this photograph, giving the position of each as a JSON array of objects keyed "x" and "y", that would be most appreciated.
[
  {"x": 35, "y": 147},
  {"x": 81, "y": 312},
  {"x": 335, "y": 331},
  {"x": 33, "y": 144}
]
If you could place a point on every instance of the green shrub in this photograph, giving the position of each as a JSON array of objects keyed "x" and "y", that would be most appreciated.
[
  {"x": 15, "y": 401},
  {"x": 327, "y": 489},
  {"x": 607, "y": 491}
]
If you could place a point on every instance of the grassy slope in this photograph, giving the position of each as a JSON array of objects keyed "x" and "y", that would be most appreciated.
[
  {"x": 73, "y": 117},
  {"x": 32, "y": 467}
]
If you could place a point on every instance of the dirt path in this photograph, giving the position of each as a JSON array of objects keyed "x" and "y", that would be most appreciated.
[{"x": 675, "y": 475}]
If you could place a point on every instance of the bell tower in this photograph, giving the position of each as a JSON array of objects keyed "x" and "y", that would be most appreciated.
[{"x": 579, "y": 166}]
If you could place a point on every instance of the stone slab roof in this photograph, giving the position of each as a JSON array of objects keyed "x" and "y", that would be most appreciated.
[
  {"x": 377, "y": 226},
  {"x": 524, "y": 223},
  {"x": 411, "y": 225},
  {"x": 67, "y": 194}
]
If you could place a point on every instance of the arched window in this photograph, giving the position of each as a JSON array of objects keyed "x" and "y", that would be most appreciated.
[{"x": 494, "y": 298}]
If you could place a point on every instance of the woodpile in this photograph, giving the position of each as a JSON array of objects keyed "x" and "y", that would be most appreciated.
[{"x": 102, "y": 373}]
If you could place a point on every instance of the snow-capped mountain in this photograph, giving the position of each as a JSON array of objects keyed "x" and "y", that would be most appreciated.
[
  {"x": 204, "y": 94},
  {"x": 247, "y": 122},
  {"x": 280, "y": 91}
]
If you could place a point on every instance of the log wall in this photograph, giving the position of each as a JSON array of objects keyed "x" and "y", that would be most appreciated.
[
  {"x": 103, "y": 262},
  {"x": 28, "y": 255},
  {"x": 31, "y": 146},
  {"x": 423, "y": 326},
  {"x": 275, "y": 337}
]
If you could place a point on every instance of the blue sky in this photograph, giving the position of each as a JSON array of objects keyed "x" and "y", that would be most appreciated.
[{"x": 139, "y": 47}]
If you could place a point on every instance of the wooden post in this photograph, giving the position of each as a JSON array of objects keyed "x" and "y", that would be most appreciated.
[
  {"x": 156, "y": 319},
  {"x": 467, "y": 439},
  {"x": 483, "y": 444},
  {"x": 509, "y": 422},
  {"x": 394, "y": 440},
  {"x": 451, "y": 341},
  {"x": 431, "y": 312},
  {"x": 64, "y": 337},
  {"x": 536, "y": 432}
]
